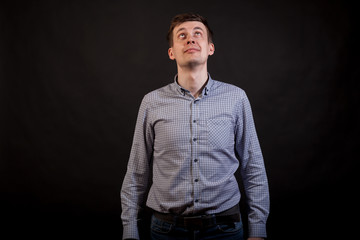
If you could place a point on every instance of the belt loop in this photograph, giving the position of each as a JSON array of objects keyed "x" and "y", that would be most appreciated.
[
  {"x": 176, "y": 220},
  {"x": 213, "y": 219}
]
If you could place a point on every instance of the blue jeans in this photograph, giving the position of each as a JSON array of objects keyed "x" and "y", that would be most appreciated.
[{"x": 161, "y": 230}]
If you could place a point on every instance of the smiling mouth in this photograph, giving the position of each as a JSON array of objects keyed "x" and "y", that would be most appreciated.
[{"x": 192, "y": 50}]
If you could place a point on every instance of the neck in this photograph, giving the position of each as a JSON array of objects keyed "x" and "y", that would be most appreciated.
[{"x": 193, "y": 79}]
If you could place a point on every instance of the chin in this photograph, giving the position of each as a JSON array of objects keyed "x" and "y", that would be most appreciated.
[{"x": 193, "y": 62}]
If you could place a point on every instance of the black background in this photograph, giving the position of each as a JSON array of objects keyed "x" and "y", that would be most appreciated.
[{"x": 73, "y": 74}]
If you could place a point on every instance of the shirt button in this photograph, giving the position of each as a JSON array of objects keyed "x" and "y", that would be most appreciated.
[
  {"x": 195, "y": 160},
  {"x": 196, "y": 180},
  {"x": 194, "y": 121},
  {"x": 197, "y": 200},
  {"x": 194, "y": 139}
]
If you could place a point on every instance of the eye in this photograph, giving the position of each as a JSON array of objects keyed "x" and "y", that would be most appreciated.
[
  {"x": 198, "y": 34},
  {"x": 182, "y": 35}
]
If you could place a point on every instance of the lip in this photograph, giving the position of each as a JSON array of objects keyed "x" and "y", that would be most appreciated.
[{"x": 190, "y": 50}]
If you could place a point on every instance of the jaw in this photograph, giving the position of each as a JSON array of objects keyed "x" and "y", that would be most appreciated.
[{"x": 192, "y": 65}]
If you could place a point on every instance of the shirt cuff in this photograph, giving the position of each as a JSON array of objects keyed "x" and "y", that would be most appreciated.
[
  {"x": 257, "y": 230},
  {"x": 131, "y": 231}
]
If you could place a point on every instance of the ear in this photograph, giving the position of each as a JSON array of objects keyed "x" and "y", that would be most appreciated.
[
  {"x": 211, "y": 49},
  {"x": 171, "y": 54}
]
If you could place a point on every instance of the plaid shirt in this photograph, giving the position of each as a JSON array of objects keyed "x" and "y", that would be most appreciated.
[{"x": 191, "y": 148}]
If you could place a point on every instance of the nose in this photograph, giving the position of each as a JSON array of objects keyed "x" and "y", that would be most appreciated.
[{"x": 190, "y": 41}]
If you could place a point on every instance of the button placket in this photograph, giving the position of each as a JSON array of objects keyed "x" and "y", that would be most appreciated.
[{"x": 196, "y": 138}]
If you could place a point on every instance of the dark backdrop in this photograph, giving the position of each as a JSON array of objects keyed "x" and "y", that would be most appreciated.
[{"x": 73, "y": 74}]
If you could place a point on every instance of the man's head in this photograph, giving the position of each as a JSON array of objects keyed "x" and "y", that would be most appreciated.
[
  {"x": 190, "y": 40},
  {"x": 187, "y": 17}
]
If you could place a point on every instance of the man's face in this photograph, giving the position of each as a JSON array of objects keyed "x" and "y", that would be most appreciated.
[{"x": 190, "y": 44}]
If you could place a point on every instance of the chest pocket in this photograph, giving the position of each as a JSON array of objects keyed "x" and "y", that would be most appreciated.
[{"x": 220, "y": 133}]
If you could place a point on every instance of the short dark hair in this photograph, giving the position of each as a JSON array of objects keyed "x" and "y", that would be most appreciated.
[{"x": 187, "y": 17}]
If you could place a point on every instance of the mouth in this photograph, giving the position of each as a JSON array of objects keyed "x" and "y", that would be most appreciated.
[{"x": 191, "y": 50}]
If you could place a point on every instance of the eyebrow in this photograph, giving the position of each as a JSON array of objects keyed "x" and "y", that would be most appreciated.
[{"x": 181, "y": 29}]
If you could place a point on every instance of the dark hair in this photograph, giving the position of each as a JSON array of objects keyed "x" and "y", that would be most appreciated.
[{"x": 187, "y": 17}]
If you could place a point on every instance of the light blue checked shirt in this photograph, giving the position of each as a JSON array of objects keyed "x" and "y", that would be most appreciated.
[{"x": 191, "y": 148}]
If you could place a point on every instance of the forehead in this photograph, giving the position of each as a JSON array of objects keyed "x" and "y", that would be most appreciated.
[{"x": 189, "y": 26}]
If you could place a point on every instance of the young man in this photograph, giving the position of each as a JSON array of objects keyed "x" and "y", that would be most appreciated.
[{"x": 190, "y": 137}]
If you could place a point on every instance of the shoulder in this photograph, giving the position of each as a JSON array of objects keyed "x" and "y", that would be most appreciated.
[
  {"x": 157, "y": 95},
  {"x": 229, "y": 89}
]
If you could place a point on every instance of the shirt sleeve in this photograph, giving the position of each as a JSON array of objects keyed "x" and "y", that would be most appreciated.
[
  {"x": 252, "y": 170},
  {"x": 137, "y": 178}
]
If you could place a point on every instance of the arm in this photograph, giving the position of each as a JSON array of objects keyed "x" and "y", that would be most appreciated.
[
  {"x": 136, "y": 181},
  {"x": 252, "y": 171}
]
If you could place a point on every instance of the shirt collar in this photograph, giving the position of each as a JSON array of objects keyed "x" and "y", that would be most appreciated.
[{"x": 205, "y": 91}]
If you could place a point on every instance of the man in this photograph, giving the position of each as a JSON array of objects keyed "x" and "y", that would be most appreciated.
[{"x": 190, "y": 138}]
